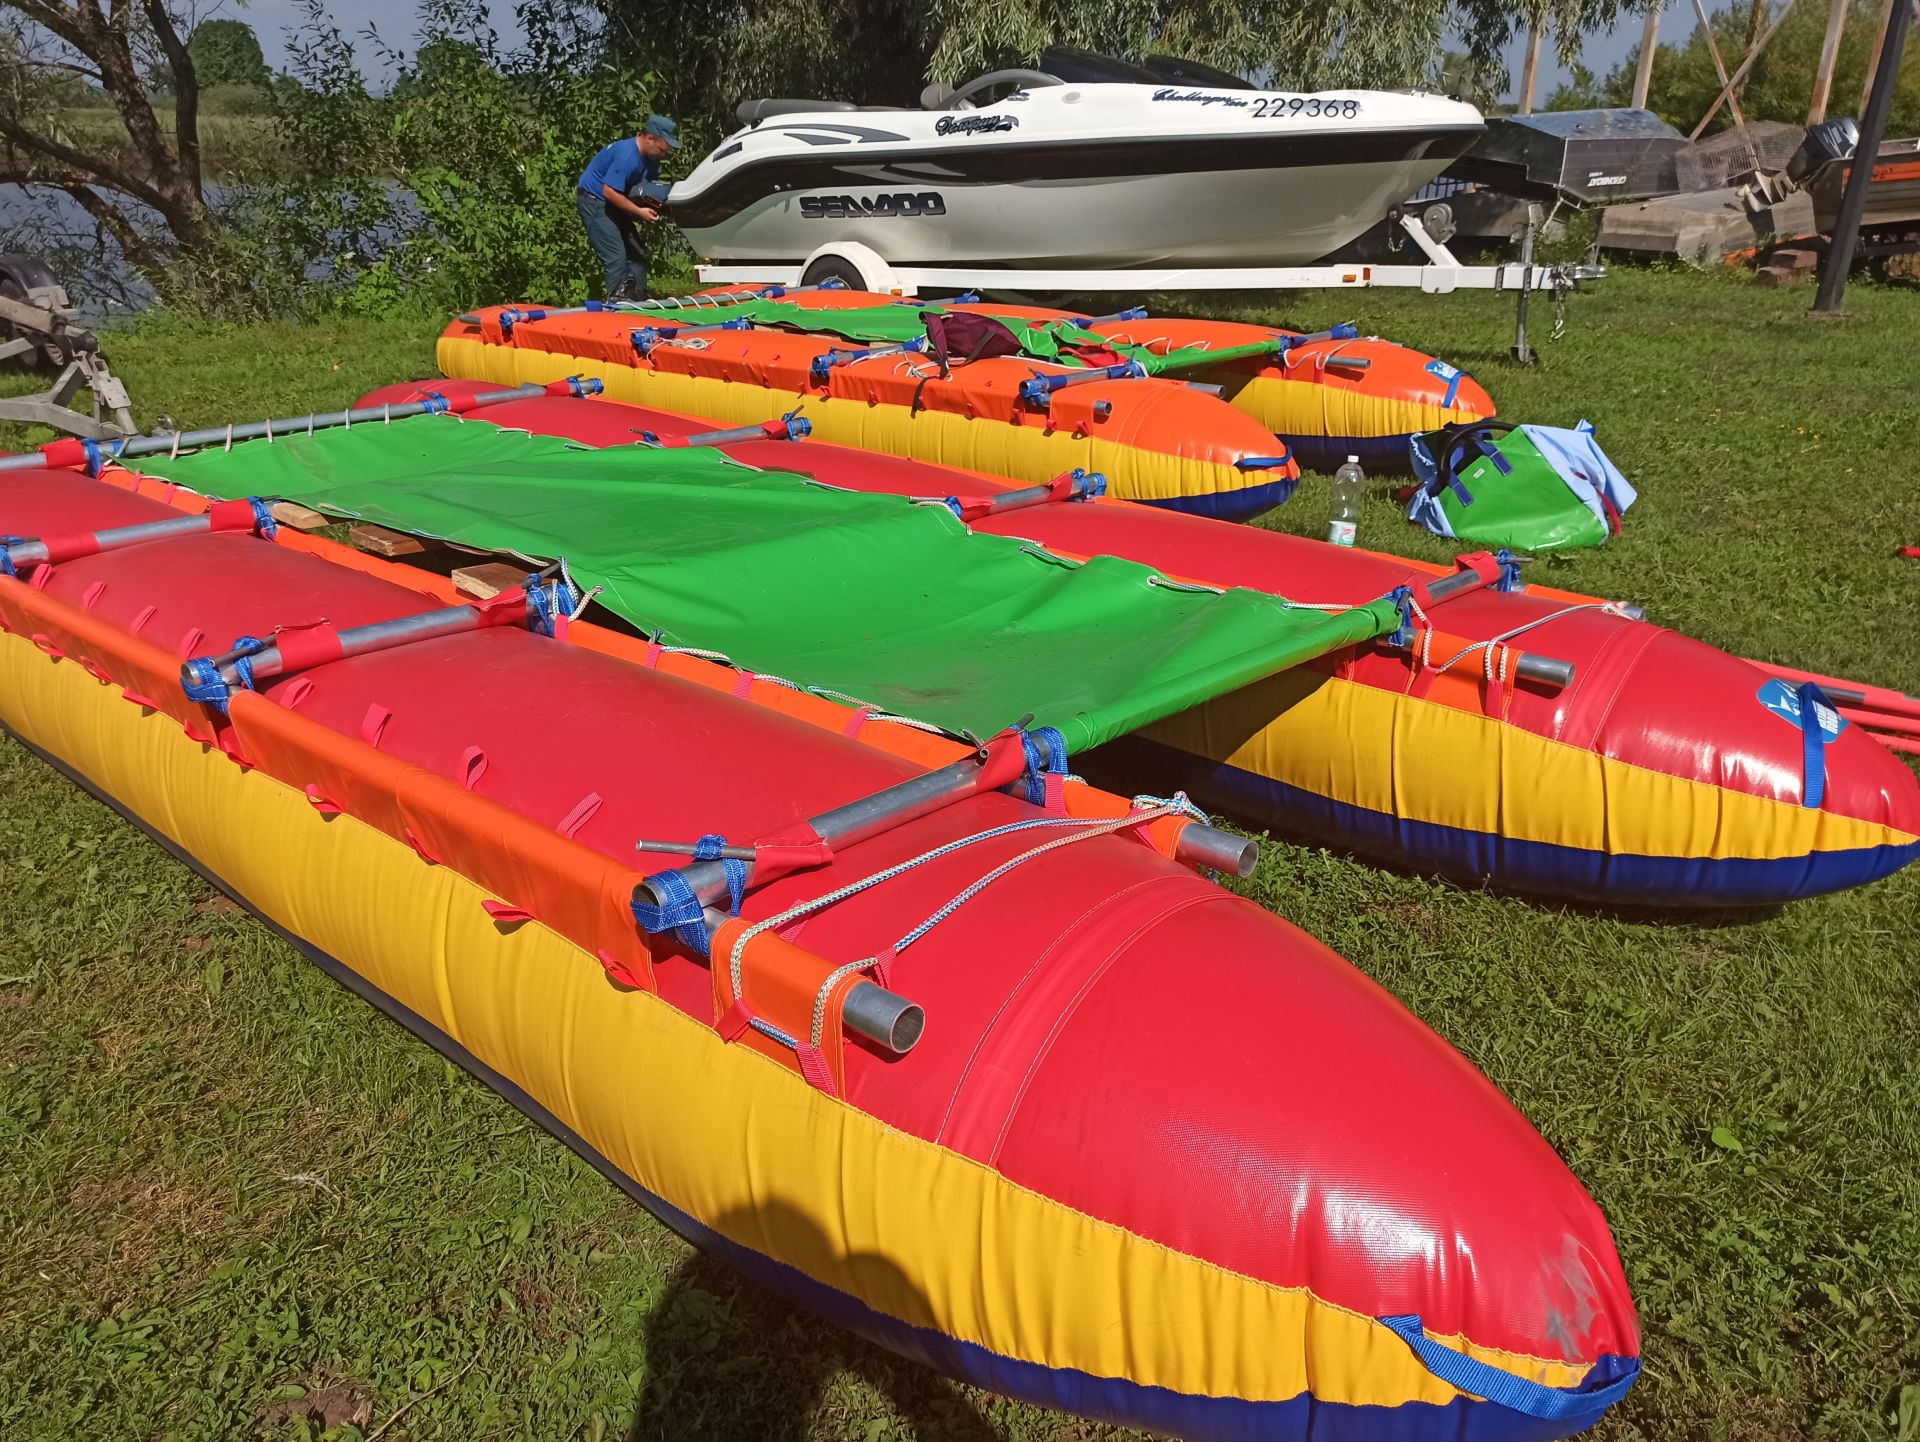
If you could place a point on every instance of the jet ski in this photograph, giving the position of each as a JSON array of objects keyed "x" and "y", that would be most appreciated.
[{"x": 1084, "y": 162}]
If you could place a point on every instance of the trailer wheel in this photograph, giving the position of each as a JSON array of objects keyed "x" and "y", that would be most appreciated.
[{"x": 834, "y": 267}]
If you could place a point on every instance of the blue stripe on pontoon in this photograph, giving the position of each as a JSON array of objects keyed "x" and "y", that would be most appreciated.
[
  {"x": 1531, "y": 866},
  {"x": 1109, "y": 1399},
  {"x": 1381, "y": 455},
  {"x": 1240, "y": 504}
]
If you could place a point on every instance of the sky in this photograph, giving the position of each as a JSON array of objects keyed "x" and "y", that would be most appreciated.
[{"x": 272, "y": 19}]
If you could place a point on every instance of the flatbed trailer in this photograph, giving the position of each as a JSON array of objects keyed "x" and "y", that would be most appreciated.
[{"x": 1439, "y": 273}]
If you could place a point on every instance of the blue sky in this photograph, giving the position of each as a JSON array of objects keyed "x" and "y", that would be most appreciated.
[{"x": 271, "y": 19}]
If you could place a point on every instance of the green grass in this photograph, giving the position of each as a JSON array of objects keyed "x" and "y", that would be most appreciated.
[{"x": 225, "y": 1179}]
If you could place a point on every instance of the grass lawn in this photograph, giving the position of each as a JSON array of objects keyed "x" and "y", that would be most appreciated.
[{"x": 240, "y": 1203}]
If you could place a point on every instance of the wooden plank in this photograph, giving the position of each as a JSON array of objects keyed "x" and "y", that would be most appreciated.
[
  {"x": 379, "y": 541},
  {"x": 297, "y": 517},
  {"x": 1643, "y": 67},
  {"x": 1530, "y": 72},
  {"x": 1829, "y": 57},
  {"x": 485, "y": 582}
]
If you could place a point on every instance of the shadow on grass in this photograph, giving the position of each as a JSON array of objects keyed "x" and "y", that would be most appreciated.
[{"x": 728, "y": 1359}]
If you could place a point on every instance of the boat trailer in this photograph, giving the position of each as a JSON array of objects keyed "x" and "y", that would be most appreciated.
[
  {"x": 1438, "y": 273},
  {"x": 39, "y": 328}
]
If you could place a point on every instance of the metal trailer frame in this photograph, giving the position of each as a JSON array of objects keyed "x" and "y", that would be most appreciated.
[
  {"x": 41, "y": 326},
  {"x": 1441, "y": 273}
]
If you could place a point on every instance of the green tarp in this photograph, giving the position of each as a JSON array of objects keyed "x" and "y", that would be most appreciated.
[
  {"x": 893, "y": 324},
  {"x": 873, "y": 596}
]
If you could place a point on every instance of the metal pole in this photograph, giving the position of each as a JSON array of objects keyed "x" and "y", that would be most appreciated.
[
  {"x": 1829, "y": 57},
  {"x": 57, "y": 454},
  {"x": 1523, "y": 352},
  {"x": 1853, "y": 204},
  {"x": 1643, "y": 67}
]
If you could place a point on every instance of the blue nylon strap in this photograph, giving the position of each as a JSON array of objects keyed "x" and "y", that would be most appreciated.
[
  {"x": 263, "y": 521},
  {"x": 435, "y": 403},
  {"x": 596, "y": 305},
  {"x": 1453, "y": 389},
  {"x": 549, "y": 600},
  {"x": 680, "y": 913},
  {"x": 1402, "y": 598},
  {"x": 1509, "y": 570},
  {"x": 1040, "y": 766},
  {"x": 708, "y": 848},
  {"x": 1813, "y": 745},
  {"x": 6, "y": 555},
  {"x": 95, "y": 461},
  {"x": 1582, "y": 1405}
]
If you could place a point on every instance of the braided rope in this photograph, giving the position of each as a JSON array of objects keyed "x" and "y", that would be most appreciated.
[{"x": 1086, "y": 827}]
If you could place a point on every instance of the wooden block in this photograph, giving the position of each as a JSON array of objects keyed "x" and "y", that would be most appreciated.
[
  {"x": 297, "y": 517},
  {"x": 1777, "y": 276},
  {"x": 380, "y": 541},
  {"x": 1797, "y": 258},
  {"x": 483, "y": 583}
]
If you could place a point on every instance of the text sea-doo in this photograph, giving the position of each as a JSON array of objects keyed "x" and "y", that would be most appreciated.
[{"x": 1084, "y": 162}]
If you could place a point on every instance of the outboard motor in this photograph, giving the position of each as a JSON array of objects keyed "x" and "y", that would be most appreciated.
[{"x": 1829, "y": 140}]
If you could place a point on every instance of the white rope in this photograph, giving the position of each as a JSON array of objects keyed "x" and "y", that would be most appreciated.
[
  {"x": 229, "y": 445},
  {"x": 1083, "y": 827},
  {"x": 1611, "y": 608}
]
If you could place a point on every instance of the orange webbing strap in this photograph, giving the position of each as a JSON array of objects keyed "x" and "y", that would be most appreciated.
[{"x": 780, "y": 984}]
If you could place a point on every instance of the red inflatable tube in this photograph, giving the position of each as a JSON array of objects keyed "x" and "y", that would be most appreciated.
[{"x": 1115, "y": 1046}]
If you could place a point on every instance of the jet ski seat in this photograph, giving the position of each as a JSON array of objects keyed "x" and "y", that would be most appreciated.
[{"x": 752, "y": 112}]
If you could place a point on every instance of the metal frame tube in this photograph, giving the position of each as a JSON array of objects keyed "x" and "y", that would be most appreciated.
[
  {"x": 882, "y": 811},
  {"x": 287, "y": 428},
  {"x": 1202, "y": 845}
]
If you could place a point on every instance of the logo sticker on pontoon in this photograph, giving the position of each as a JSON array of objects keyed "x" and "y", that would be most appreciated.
[
  {"x": 874, "y": 207},
  {"x": 1783, "y": 699},
  {"x": 973, "y": 124}
]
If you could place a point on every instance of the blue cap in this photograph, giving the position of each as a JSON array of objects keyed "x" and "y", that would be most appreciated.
[{"x": 663, "y": 127}]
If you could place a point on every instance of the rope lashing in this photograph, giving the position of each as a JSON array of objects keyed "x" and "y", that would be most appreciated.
[{"x": 1079, "y": 828}]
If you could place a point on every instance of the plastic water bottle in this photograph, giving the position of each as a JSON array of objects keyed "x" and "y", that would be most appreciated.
[{"x": 1343, "y": 518}]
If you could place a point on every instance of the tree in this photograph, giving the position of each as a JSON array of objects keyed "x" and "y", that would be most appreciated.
[
  {"x": 119, "y": 45},
  {"x": 1781, "y": 81},
  {"x": 710, "y": 55},
  {"x": 226, "y": 52}
]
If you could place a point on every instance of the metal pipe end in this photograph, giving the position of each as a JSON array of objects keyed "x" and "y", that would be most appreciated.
[
  {"x": 884, "y": 1018},
  {"x": 1204, "y": 845},
  {"x": 1547, "y": 670}
]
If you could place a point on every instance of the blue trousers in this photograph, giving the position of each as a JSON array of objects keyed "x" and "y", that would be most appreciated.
[{"x": 615, "y": 238}]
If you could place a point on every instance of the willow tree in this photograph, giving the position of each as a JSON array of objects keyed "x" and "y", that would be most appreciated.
[
  {"x": 711, "y": 55},
  {"x": 124, "y": 51}
]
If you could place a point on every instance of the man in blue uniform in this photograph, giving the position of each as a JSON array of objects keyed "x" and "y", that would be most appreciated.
[{"x": 612, "y": 214}]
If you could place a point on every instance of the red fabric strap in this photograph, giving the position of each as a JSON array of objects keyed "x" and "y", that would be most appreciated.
[
  {"x": 799, "y": 848},
  {"x": 504, "y": 913},
  {"x": 813, "y": 1066},
  {"x": 70, "y": 547},
  {"x": 230, "y": 516},
  {"x": 736, "y": 1020},
  {"x": 972, "y": 508},
  {"x": 508, "y": 608},
  {"x": 66, "y": 452},
  {"x": 303, "y": 650}
]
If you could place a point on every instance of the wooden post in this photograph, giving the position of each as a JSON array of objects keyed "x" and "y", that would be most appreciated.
[
  {"x": 1649, "y": 42},
  {"x": 1732, "y": 89},
  {"x": 1879, "y": 44},
  {"x": 1745, "y": 65},
  {"x": 1829, "y": 56},
  {"x": 1530, "y": 72}
]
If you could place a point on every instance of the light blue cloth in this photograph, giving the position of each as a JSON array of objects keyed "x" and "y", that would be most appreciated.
[{"x": 1574, "y": 454}]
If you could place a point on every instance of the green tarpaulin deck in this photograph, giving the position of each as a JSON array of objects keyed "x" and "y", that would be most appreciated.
[
  {"x": 871, "y": 596},
  {"x": 1049, "y": 340}
]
